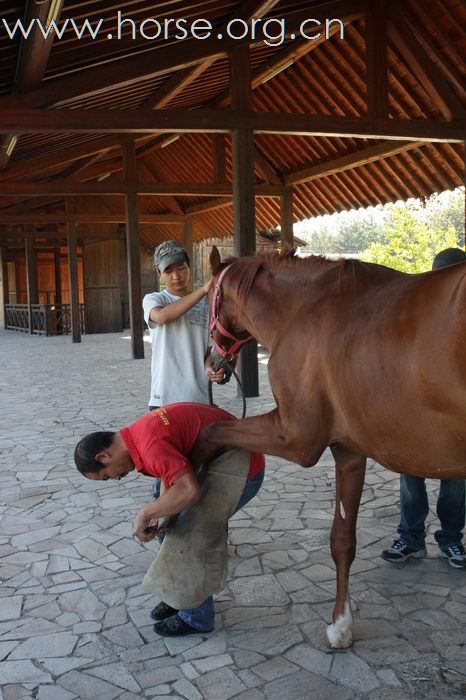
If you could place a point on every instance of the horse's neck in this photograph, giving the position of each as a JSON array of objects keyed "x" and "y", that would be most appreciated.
[{"x": 266, "y": 308}]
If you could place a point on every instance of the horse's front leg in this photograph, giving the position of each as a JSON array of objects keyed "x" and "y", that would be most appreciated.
[
  {"x": 350, "y": 472},
  {"x": 264, "y": 433},
  {"x": 257, "y": 434}
]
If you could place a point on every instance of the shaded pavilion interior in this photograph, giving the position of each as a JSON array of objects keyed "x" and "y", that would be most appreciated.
[{"x": 109, "y": 147}]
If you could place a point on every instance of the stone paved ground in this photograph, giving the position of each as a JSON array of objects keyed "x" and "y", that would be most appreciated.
[{"x": 74, "y": 621}]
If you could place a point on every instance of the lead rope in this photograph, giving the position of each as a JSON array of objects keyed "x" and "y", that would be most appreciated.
[{"x": 224, "y": 363}]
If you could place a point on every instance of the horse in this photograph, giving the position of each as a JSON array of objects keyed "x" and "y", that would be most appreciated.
[{"x": 365, "y": 360}]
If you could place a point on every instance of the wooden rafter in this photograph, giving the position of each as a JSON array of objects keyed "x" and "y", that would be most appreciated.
[
  {"x": 184, "y": 77},
  {"x": 32, "y": 61},
  {"x": 161, "y": 61},
  {"x": 350, "y": 161},
  {"x": 419, "y": 62}
]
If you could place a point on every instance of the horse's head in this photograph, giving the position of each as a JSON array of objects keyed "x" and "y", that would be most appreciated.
[{"x": 227, "y": 337}]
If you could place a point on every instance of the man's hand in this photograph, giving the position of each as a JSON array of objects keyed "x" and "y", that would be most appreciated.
[
  {"x": 141, "y": 522},
  {"x": 206, "y": 287},
  {"x": 215, "y": 376}
]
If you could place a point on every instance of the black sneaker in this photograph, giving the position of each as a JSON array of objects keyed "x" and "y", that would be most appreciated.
[
  {"x": 400, "y": 551},
  {"x": 162, "y": 611},
  {"x": 174, "y": 626},
  {"x": 456, "y": 556}
]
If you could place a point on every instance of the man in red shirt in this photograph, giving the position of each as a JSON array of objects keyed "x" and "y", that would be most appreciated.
[{"x": 159, "y": 445}]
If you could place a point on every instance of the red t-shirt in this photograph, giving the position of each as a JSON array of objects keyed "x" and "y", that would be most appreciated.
[{"x": 160, "y": 441}]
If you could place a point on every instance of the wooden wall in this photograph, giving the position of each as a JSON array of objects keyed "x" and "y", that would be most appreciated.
[
  {"x": 103, "y": 284},
  {"x": 45, "y": 275},
  {"x": 102, "y": 278}
]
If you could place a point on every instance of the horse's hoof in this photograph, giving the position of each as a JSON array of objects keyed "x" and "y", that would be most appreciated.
[
  {"x": 339, "y": 632},
  {"x": 339, "y": 639}
]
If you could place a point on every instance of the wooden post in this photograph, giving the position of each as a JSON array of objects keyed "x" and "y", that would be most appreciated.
[
  {"x": 4, "y": 286},
  {"x": 31, "y": 273},
  {"x": 244, "y": 213},
  {"x": 72, "y": 236},
  {"x": 132, "y": 251},
  {"x": 376, "y": 59},
  {"x": 57, "y": 270},
  {"x": 286, "y": 216},
  {"x": 188, "y": 244}
]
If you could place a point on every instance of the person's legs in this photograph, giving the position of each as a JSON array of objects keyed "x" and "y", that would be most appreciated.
[
  {"x": 252, "y": 486},
  {"x": 451, "y": 513},
  {"x": 414, "y": 509},
  {"x": 202, "y": 618}
]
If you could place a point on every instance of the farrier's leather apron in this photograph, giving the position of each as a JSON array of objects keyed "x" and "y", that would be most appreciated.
[{"x": 193, "y": 559}]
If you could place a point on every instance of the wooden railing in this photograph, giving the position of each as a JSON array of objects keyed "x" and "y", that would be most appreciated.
[{"x": 47, "y": 319}]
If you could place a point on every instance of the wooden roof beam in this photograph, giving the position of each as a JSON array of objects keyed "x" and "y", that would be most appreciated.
[
  {"x": 350, "y": 161},
  {"x": 35, "y": 50},
  {"x": 217, "y": 203},
  {"x": 211, "y": 121},
  {"x": 377, "y": 59},
  {"x": 43, "y": 163},
  {"x": 162, "y": 61},
  {"x": 182, "y": 78},
  {"x": 33, "y": 56},
  {"x": 161, "y": 189},
  {"x": 85, "y": 218}
]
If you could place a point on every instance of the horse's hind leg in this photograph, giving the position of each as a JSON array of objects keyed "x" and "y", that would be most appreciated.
[{"x": 350, "y": 472}]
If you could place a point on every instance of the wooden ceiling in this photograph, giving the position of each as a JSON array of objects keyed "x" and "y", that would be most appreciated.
[{"x": 343, "y": 140}]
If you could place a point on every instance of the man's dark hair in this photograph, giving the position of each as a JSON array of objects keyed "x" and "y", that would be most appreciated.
[
  {"x": 449, "y": 256},
  {"x": 88, "y": 447}
]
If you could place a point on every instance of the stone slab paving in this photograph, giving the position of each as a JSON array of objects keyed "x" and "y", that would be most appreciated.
[{"x": 74, "y": 620}]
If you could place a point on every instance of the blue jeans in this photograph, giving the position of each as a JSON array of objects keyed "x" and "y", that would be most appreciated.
[
  {"x": 203, "y": 617},
  {"x": 414, "y": 508}
]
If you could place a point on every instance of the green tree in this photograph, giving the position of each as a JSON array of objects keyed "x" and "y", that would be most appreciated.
[
  {"x": 409, "y": 244},
  {"x": 358, "y": 232}
]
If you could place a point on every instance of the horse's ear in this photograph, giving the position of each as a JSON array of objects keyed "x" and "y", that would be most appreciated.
[{"x": 215, "y": 262}]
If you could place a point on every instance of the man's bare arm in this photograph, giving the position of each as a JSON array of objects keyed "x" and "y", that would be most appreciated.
[{"x": 184, "y": 492}]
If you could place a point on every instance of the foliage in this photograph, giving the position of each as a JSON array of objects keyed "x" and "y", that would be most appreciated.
[
  {"x": 424, "y": 227},
  {"x": 409, "y": 244}
]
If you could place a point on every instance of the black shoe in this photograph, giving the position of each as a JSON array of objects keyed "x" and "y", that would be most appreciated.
[
  {"x": 456, "y": 555},
  {"x": 174, "y": 626},
  {"x": 162, "y": 611},
  {"x": 400, "y": 551}
]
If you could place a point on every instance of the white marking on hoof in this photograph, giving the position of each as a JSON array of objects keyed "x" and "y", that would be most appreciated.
[
  {"x": 339, "y": 633},
  {"x": 342, "y": 510}
]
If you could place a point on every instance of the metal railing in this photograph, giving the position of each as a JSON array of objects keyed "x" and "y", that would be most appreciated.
[{"x": 47, "y": 319}]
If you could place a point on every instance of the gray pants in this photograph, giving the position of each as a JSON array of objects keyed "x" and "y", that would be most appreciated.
[{"x": 192, "y": 562}]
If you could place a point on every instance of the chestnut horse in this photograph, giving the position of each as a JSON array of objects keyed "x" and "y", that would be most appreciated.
[{"x": 363, "y": 359}]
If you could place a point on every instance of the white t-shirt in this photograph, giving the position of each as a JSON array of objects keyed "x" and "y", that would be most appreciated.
[{"x": 178, "y": 352}]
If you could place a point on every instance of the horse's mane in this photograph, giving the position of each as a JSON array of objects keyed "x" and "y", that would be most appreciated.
[{"x": 243, "y": 271}]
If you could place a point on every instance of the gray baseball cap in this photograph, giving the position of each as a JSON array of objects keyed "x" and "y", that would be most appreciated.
[{"x": 169, "y": 253}]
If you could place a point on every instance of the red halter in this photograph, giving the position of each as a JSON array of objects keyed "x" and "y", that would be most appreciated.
[{"x": 216, "y": 325}]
